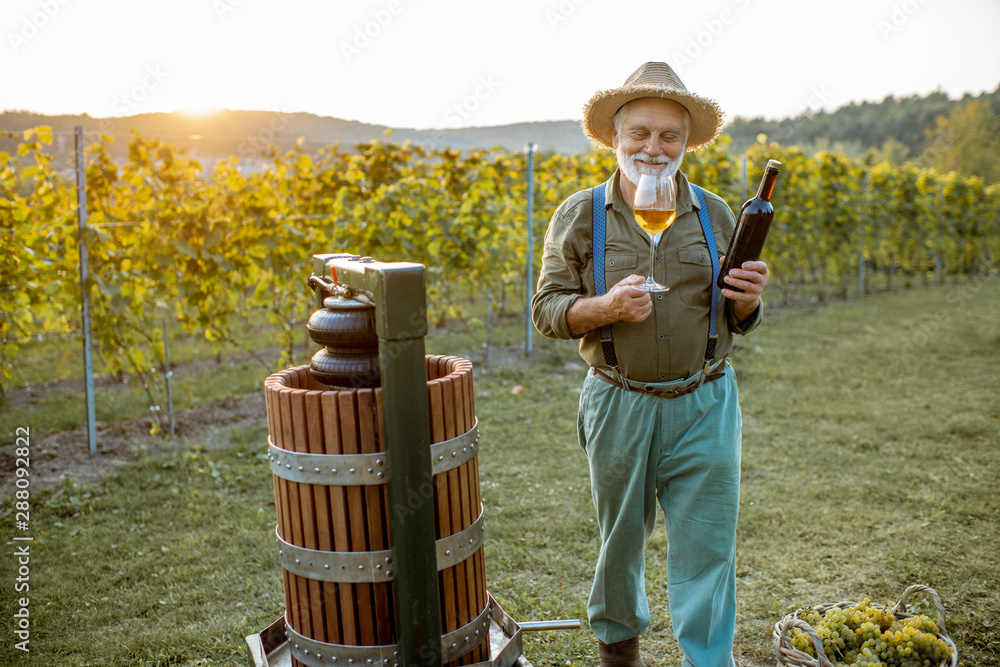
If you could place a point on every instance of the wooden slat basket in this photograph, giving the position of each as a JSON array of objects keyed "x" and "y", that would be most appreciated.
[
  {"x": 332, "y": 510},
  {"x": 789, "y": 656}
]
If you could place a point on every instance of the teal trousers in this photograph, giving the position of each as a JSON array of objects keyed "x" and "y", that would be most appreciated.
[{"x": 683, "y": 453}]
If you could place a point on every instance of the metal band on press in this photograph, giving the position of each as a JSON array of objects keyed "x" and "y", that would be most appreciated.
[
  {"x": 452, "y": 453},
  {"x": 326, "y": 469},
  {"x": 454, "y": 645},
  {"x": 359, "y": 567},
  {"x": 363, "y": 469}
]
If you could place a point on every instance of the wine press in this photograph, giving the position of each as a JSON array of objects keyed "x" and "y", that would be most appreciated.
[{"x": 373, "y": 448}]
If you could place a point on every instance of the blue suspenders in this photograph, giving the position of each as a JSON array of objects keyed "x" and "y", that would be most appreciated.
[
  {"x": 600, "y": 286},
  {"x": 713, "y": 253},
  {"x": 600, "y": 215}
]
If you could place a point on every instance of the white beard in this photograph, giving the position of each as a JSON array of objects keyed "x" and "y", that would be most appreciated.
[{"x": 632, "y": 165}]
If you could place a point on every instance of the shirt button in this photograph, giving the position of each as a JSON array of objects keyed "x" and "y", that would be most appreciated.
[
  {"x": 662, "y": 376},
  {"x": 657, "y": 255},
  {"x": 659, "y": 297},
  {"x": 611, "y": 263},
  {"x": 661, "y": 336}
]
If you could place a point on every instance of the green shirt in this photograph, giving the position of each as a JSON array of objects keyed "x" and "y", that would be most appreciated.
[{"x": 669, "y": 344}]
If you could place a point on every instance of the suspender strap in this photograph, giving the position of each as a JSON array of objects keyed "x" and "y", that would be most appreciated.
[
  {"x": 599, "y": 233},
  {"x": 600, "y": 222},
  {"x": 706, "y": 229}
]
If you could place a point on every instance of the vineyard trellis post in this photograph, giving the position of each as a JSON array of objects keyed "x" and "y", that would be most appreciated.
[
  {"x": 88, "y": 359},
  {"x": 865, "y": 218},
  {"x": 743, "y": 178},
  {"x": 168, "y": 374},
  {"x": 939, "y": 253},
  {"x": 528, "y": 290}
]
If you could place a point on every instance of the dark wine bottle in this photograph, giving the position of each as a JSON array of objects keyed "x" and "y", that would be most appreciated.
[{"x": 752, "y": 227}]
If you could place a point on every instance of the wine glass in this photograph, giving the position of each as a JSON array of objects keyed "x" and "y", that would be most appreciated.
[{"x": 655, "y": 209}]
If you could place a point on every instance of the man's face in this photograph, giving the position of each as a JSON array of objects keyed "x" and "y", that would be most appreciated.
[{"x": 652, "y": 139}]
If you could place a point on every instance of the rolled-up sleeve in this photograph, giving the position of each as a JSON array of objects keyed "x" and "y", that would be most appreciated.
[
  {"x": 565, "y": 259},
  {"x": 747, "y": 325}
]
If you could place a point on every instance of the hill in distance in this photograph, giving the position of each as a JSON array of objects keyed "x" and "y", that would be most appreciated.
[
  {"x": 247, "y": 133},
  {"x": 854, "y": 129}
]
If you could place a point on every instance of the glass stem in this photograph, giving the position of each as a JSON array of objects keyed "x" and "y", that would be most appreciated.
[{"x": 652, "y": 257}]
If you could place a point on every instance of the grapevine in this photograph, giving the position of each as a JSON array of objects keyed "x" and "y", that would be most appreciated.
[{"x": 217, "y": 251}]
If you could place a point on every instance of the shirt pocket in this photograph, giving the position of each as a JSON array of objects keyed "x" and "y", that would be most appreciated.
[
  {"x": 618, "y": 266},
  {"x": 694, "y": 284}
]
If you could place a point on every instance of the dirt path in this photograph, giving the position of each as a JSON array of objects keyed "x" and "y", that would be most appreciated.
[{"x": 67, "y": 454}]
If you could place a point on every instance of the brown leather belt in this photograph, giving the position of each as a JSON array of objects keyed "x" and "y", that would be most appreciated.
[{"x": 715, "y": 375}]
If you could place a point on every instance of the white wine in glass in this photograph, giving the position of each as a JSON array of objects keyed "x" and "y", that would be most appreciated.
[{"x": 655, "y": 208}]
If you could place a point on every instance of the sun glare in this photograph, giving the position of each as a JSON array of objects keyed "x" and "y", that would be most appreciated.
[{"x": 200, "y": 112}]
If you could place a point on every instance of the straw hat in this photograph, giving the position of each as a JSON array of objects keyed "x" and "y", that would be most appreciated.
[{"x": 652, "y": 80}]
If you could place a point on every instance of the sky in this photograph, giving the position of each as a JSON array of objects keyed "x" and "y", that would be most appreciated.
[{"x": 461, "y": 63}]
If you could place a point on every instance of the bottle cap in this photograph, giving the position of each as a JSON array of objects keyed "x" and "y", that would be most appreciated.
[{"x": 773, "y": 164}]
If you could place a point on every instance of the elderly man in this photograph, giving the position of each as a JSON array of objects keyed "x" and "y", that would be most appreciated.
[{"x": 659, "y": 415}]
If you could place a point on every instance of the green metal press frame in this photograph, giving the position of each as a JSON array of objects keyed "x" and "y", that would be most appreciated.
[{"x": 398, "y": 292}]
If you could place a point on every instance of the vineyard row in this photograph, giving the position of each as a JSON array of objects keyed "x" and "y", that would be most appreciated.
[{"x": 210, "y": 245}]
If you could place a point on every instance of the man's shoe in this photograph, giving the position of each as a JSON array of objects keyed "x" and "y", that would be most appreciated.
[{"x": 620, "y": 654}]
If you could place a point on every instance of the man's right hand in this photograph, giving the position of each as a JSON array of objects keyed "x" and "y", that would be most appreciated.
[
  {"x": 622, "y": 303},
  {"x": 628, "y": 304}
]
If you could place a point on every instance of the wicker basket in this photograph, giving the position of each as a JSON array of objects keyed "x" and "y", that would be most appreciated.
[{"x": 789, "y": 656}]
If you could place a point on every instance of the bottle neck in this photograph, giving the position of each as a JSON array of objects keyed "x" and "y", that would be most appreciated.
[{"x": 767, "y": 184}]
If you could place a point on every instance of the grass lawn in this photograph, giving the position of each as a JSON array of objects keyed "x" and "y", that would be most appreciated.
[{"x": 870, "y": 454}]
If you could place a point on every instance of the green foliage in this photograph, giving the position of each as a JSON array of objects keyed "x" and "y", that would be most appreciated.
[
  {"x": 967, "y": 141},
  {"x": 217, "y": 249}
]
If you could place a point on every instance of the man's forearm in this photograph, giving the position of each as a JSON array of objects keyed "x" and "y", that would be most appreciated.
[
  {"x": 622, "y": 303},
  {"x": 588, "y": 314}
]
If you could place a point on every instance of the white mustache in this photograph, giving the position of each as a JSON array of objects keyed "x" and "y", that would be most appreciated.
[{"x": 646, "y": 157}]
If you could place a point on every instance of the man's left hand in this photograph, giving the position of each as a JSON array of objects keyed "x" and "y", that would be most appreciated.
[{"x": 752, "y": 279}]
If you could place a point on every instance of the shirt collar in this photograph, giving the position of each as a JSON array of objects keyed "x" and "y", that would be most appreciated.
[{"x": 687, "y": 200}]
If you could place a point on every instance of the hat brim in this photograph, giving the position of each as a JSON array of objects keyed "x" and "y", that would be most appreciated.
[{"x": 598, "y": 114}]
